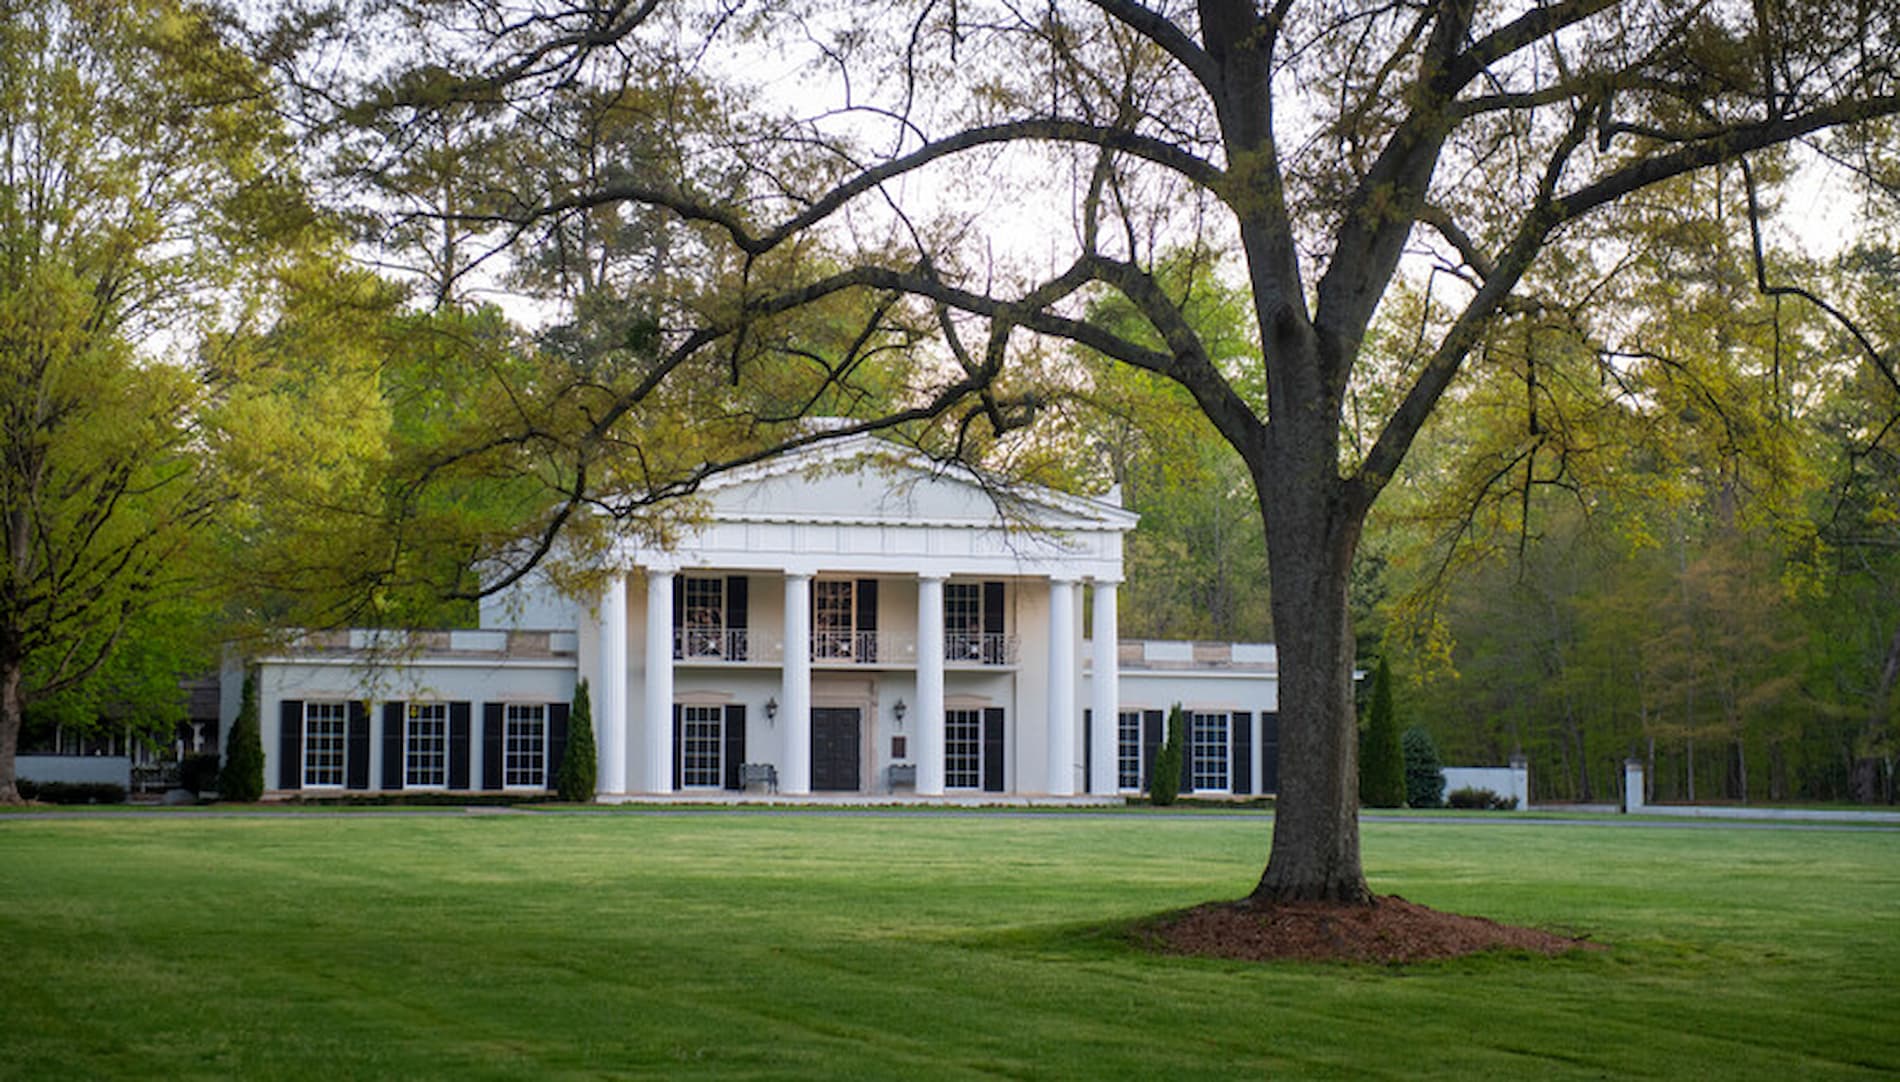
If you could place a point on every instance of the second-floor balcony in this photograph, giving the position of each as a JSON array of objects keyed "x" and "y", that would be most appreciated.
[
  {"x": 714, "y": 644},
  {"x": 979, "y": 648},
  {"x": 839, "y": 648}
]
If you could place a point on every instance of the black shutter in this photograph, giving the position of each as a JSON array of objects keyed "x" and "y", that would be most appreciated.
[
  {"x": 356, "y": 747},
  {"x": 1269, "y": 752},
  {"x": 1187, "y": 752},
  {"x": 735, "y": 744},
  {"x": 557, "y": 743},
  {"x": 867, "y": 618},
  {"x": 491, "y": 745},
  {"x": 993, "y": 749},
  {"x": 392, "y": 745},
  {"x": 679, "y": 602},
  {"x": 1088, "y": 750},
  {"x": 679, "y": 750},
  {"x": 1242, "y": 767},
  {"x": 992, "y": 608},
  {"x": 290, "y": 744},
  {"x": 736, "y": 616},
  {"x": 458, "y": 745},
  {"x": 992, "y": 650},
  {"x": 1150, "y": 745}
]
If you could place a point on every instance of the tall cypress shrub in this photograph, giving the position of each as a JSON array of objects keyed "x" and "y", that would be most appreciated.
[
  {"x": 578, "y": 766},
  {"x": 1381, "y": 759},
  {"x": 1165, "y": 785},
  {"x": 242, "y": 778},
  {"x": 1424, "y": 774}
]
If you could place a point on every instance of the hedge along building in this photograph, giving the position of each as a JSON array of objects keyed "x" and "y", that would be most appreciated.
[{"x": 848, "y": 619}]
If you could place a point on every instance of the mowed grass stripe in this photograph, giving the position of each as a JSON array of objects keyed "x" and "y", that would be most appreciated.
[{"x": 747, "y": 946}]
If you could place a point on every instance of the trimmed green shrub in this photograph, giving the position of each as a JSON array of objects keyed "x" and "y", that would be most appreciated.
[
  {"x": 1165, "y": 785},
  {"x": 242, "y": 778},
  {"x": 1424, "y": 774},
  {"x": 1381, "y": 760},
  {"x": 579, "y": 765},
  {"x": 198, "y": 772},
  {"x": 71, "y": 792},
  {"x": 1473, "y": 799}
]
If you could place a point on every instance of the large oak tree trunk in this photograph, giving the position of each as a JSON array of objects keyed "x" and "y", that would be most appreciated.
[{"x": 1310, "y": 543}]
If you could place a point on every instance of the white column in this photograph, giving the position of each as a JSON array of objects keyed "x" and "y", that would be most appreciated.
[
  {"x": 1061, "y": 734},
  {"x": 658, "y": 720},
  {"x": 610, "y": 686},
  {"x": 929, "y": 710},
  {"x": 795, "y": 694},
  {"x": 1105, "y": 693}
]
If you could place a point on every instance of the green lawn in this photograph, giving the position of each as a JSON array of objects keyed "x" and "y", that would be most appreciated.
[{"x": 766, "y": 946}]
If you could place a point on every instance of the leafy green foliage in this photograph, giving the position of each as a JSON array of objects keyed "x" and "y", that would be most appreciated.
[
  {"x": 579, "y": 764},
  {"x": 72, "y": 792},
  {"x": 1381, "y": 760},
  {"x": 1164, "y": 783},
  {"x": 1197, "y": 567},
  {"x": 1424, "y": 774},
  {"x": 1471, "y": 799},
  {"x": 242, "y": 779},
  {"x": 143, "y": 210}
]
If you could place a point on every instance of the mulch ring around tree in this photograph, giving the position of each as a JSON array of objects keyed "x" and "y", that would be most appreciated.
[{"x": 1389, "y": 931}]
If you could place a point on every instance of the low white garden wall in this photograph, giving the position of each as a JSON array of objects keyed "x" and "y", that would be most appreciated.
[
  {"x": 1505, "y": 781},
  {"x": 76, "y": 769}
]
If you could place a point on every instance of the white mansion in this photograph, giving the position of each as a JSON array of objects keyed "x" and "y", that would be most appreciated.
[{"x": 842, "y": 620}]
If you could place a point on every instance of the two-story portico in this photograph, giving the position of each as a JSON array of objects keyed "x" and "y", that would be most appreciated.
[{"x": 860, "y": 620}]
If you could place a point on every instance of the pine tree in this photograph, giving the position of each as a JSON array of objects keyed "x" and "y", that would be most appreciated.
[
  {"x": 1166, "y": 783},
  {"x": 242, "y": 778},
  {"x": 1381, "y": 759},
  {"x": 576, "y": 781},
  {"x": 1424, "y": 775}
]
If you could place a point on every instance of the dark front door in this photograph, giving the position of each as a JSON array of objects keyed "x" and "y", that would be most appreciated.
[{"x": 834, "y": 749}]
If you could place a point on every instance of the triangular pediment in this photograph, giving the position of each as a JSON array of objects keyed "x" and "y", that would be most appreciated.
[{"x": 866, "y": 481}]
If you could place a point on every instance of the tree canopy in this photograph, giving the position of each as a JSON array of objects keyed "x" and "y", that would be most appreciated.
[
  {"x": 140, "y": 199},
  {"x": 966, "y": 180}
]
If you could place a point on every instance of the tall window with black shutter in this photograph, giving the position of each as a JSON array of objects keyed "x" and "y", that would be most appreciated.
[
  {"x": 1128, "y": 750},
  {"x": 1208, "y": 748},
  {"x": 702, "y": 618},
  {"x": 963, "y": 621},
  {"x": 524, "y": 746},
  {"x": 702, "y": 746},
  {"x": 963, "y": 749},
  {"x": 325, "y": 730},
  {"x": 426, "y": 746}
]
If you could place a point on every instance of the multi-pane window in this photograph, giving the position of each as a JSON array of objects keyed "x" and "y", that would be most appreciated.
[
  {"x": 703, "y": 623},
  {"x": 963, "y": 621},
  {"x": 1128, "y": 750},
  {"x": 325, "y": 729},
  {"x": 1207, "y": 739},
  {"x": 833, "y": 618},
  {"x": 963, "y": 749},
  {"x": 702, "y": 745},
  {"x": 524, "y": 753},
  {"x": 426, "y": 746}
]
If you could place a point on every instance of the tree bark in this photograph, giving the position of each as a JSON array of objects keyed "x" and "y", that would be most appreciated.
[
  {"x": 10, "y": 724},
  {"x": 1310, "y": 543}
]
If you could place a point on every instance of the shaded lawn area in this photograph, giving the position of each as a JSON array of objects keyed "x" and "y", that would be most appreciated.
[{"x": 752, "y": 946}]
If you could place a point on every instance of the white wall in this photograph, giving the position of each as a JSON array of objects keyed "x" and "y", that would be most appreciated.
[
  {"x": 75, "y": 769},
  {"x": 547, "y": 680},
  {"x": 1506, "y": 781}
]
